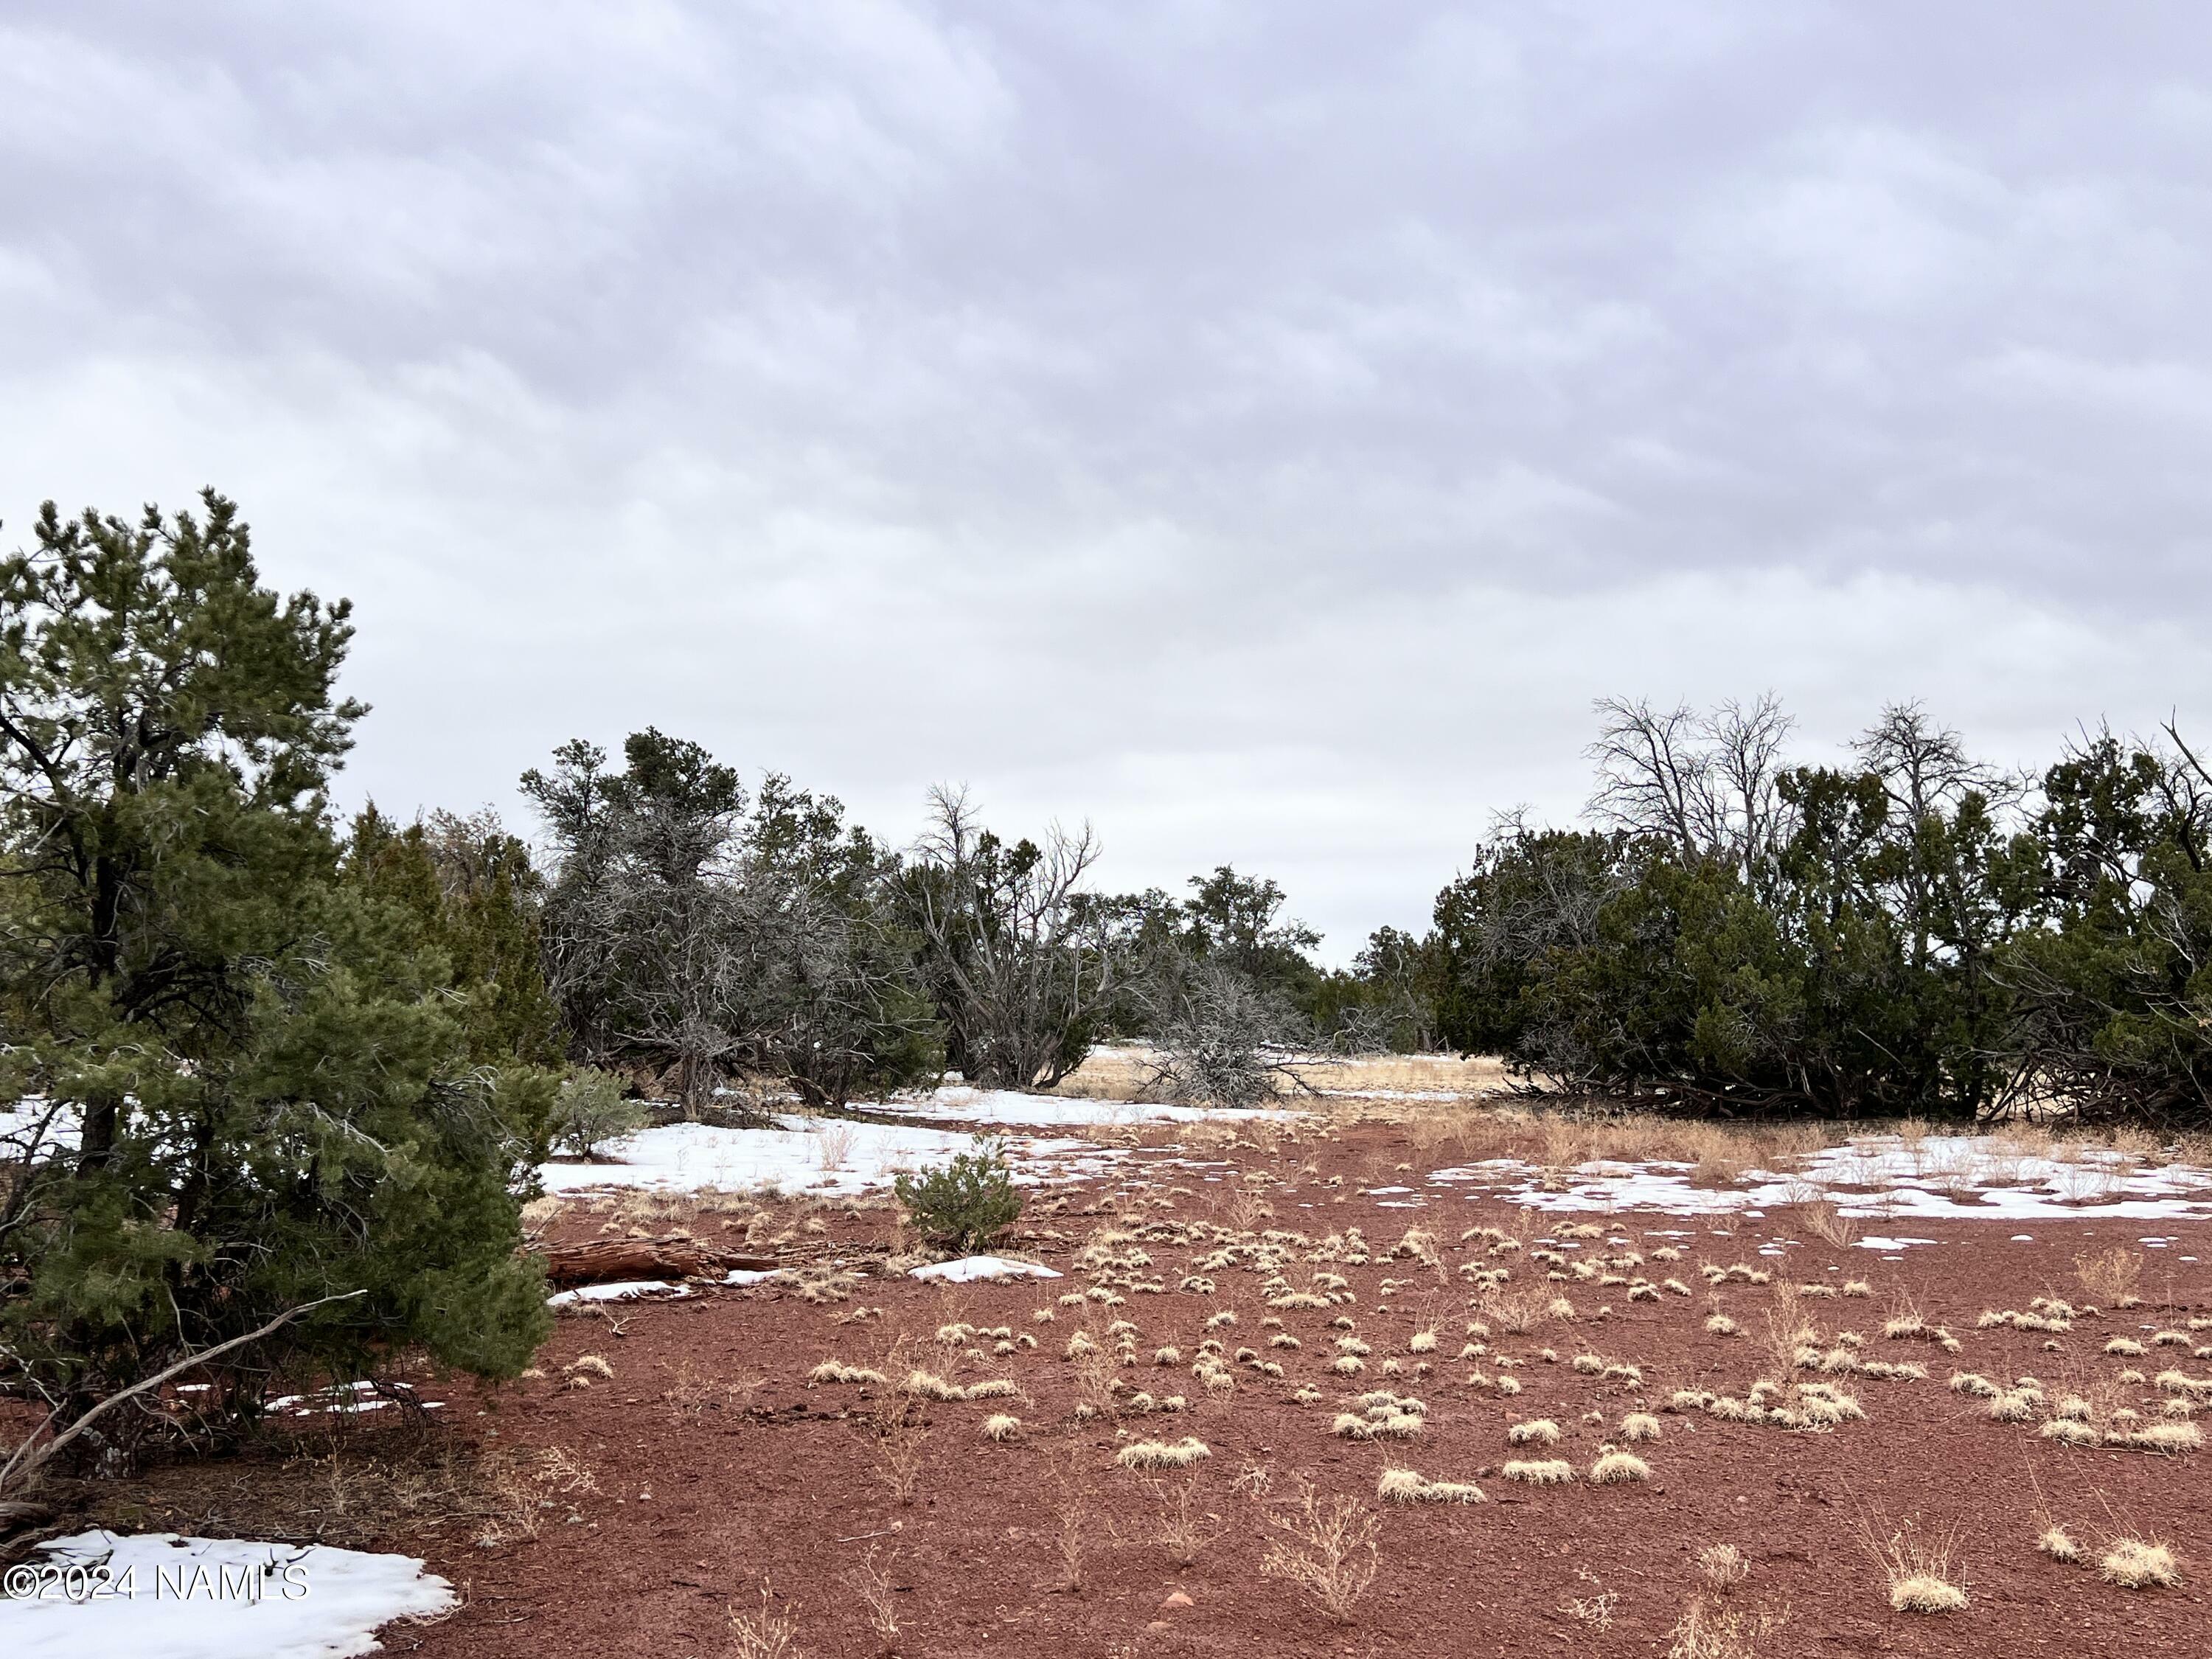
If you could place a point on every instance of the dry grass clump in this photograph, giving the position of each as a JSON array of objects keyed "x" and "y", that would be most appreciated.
[
  {"x": 1639, "y": 1425},
  {"x": 833, "y": 1370},
  {"x": 1402, "y": 1485},
  {"x": 1921, "y": 1568},
  {"x": 2170, "y": 1438},
  {"x": 1707, "y": 1631},
  {"x": 2138, "y": 1564},
  {"x": 1162, "y": 1453},
  {"x": 1537, "y": 1431},
  {"x": 1327, "y": 1548},
  {"x": 2058, "y": 1544},
  {"x": 1616, "y": 1466},
  {"x": 1540, "y": 1472}
]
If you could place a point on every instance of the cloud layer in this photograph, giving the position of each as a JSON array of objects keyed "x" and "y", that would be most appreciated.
[{"x": 1261, "y": 429}]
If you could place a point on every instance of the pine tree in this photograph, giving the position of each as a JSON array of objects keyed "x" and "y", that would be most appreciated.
[{"x": 270, "y": 1093}]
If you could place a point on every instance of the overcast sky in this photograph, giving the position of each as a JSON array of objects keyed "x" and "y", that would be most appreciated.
[{"x": 1259, "y": 428}]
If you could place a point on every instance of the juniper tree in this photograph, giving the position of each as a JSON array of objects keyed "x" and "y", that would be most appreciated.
[
  {"x": 697, "y": 933},
  {"x": 245, "y": 1087}
]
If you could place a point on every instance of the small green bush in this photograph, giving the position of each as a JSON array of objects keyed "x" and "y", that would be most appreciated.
[
  {"x": 966, "y": 1205},
  {"x": 590, "y": 1108}
]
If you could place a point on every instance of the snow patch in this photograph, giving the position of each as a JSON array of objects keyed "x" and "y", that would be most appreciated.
[
  {"x": 202, "y": 1598},
  {"x": 969, "y": 1268},
  {"x": 1938, "y": 1178},
  {"x": 1010, "y": 1107},
  {"x": 799, "y": 1155},
  {"x": 626, "y": 1290}
]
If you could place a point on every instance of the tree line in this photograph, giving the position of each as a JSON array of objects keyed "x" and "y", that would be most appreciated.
[
  {"x": 1914, "y": 931},
  {"x": 272, "y": 1086},
  {"x": 272, "y": 1076}
]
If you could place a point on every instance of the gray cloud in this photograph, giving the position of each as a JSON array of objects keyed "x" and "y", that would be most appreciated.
[{"x": 1261, "y": 429}]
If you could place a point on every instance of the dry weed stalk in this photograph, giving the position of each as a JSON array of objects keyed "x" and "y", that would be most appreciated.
[
  {"x": 833, "y": 1148},
  {"x": 2110, "y": 1275},
  {"x": 1829, "y": 1224},
  {"x": 1183, "y": 1527},
  {"x": 900, "y": 1436},
  {"x": 1723, "y": 1567},
  {"x": 1708, "y": 1629},
  {"x": 765, "y": 1635},
  {"x": 1786, "y": 1333},
  {"x": 1595, "y": 1610},
  {"x": 1072, "y": 1537},
  {"x": 871, "y": 1581},
  {"x": 1327, "y": 1548},
  {"x": 520, "y": 1493}
]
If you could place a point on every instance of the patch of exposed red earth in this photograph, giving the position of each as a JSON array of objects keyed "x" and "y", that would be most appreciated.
[{"x": 698, "y": 1507}]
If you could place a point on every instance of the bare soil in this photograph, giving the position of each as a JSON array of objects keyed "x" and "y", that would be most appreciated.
[{"x": 707, "y": 1466}]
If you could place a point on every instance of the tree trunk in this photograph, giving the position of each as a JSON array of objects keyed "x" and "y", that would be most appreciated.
[{"x": 604, "y": 1260}]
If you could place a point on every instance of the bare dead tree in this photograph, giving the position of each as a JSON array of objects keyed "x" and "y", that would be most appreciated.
[
  {"x": 1746, "y": 747},
  {"x": 1655, "y": 773},
  {"x": 1706, "y": 784},
  {"x": 1020, "y": 966},
  {"x": 1924, "y": 767}
]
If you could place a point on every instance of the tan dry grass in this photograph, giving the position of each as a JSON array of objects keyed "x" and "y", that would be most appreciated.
[
  {"x": 1709, "y": 1630},
  {"x": 1921, "y": 1567},
  {"x": 1121, "y": 1073}
]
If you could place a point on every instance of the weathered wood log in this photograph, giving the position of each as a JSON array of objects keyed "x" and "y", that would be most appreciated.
[
  {"x": 20, "y": 1515},
  {"x": 604, "y": 1261}
]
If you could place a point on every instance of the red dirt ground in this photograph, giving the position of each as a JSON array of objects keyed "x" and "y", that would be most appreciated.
[{"x": 698, "y": 1506}]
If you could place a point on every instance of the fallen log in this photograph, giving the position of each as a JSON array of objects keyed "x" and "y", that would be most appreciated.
[{"x": 606, "y": 1261}]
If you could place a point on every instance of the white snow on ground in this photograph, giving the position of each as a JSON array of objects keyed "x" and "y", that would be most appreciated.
[
  {"x": 969, "y": 1268},
  {"x": 626, "y": 1290},
  {"x": 1944, "y": 1178},
  {"x": 1009, "y": 1108},
  {"x": 198, "y": 1598},
  {"x": 837, "y": 1157},
  {"x": 348, "y": 1397},
  {"x": 831, "y": 1157}
]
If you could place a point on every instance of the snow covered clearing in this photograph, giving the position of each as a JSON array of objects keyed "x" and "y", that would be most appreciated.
[
  {"x": 838, "y": 1156},
  {"x": 832, "y": 1158},
  {"x": 1937, "y": 1178},
  {"x": 155, "y": 1596}
]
